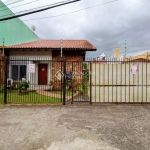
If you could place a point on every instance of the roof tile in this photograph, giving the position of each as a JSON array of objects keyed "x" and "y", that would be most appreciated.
[{"x": 67, "y": 44}]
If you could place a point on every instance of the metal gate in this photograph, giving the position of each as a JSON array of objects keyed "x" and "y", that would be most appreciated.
[
  {"x": 78, "y": 85},
  {"x": 121, "y": 81}
]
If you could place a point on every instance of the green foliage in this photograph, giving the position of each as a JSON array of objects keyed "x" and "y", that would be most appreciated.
[
  {"x": 24, "y": 85},
  {"x": 83, "y": 88},
  {"x": 85, "y": 65},
  {"x": 1, "y": 88},
  {"x": 50, "y": 83},
  {"x": 68, "y": 82},
  {"x": 80, "y": 88},
  {"x": 32, "y": 97}
]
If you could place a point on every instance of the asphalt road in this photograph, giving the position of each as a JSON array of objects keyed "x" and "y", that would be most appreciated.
[{"x": 75, "y": 127}]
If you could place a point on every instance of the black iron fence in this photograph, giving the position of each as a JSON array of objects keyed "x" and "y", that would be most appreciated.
[
  {"x": 78, "y": 79},
  {"x": 2, "y": 81},
  {"x": 60, "y": 81},
  {"x": 32, "y": 81}
]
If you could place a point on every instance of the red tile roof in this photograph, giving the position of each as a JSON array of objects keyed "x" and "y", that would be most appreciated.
[{"x": 55, "y": 44}]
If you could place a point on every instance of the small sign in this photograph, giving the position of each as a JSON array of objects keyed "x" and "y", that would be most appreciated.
[
  {"x": 31, "y": 68},
  {"x": 134, "y": 69},
  {"x": 59, "y": 75}
]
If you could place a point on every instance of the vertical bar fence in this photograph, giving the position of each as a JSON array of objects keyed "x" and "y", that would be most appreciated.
[{"x": 38, "y": 80}]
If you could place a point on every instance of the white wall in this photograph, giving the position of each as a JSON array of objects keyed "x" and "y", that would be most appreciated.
[
  {"x": 119, "y": 80},
  {"x": 31, "y": 57}
]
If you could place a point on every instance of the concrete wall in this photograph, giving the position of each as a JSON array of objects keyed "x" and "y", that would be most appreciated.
[
  {"x": 120, "y": 94},
  {"x": 120, "y": 74}
]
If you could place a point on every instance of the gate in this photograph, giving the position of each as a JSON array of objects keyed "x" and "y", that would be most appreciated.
[
  {"x": 78, "y": 85},
  {"x": 121, "y": 81}
]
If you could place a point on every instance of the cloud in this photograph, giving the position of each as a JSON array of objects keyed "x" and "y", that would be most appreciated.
[{"x": 99, "y": 25}]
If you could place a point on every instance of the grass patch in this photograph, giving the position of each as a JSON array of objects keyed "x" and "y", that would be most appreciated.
[
  {"x": 1, "y": 98},
  {"x": 31, "y": 97}
]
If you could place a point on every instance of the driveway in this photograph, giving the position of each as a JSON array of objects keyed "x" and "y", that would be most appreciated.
[{"x": 75, "y": 127}]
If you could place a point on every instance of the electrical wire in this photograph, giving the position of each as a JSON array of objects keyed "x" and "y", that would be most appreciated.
[
  {"x": 82, "y": 10},
  {"x": 1, "y": 6},
  {"x": 125, "y": 31},
  {"x": 36, "y": 11},
  {"x": 19, "y": 5},
  {"x": 32, "y": 9},
  {"x": 66, "y": 13}
]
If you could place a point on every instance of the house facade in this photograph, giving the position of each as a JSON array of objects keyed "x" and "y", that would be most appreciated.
[
  {"x": 14, "y": 31},
  {"x": 145, "y": 57},
  {"x": 46, "y": 56}
]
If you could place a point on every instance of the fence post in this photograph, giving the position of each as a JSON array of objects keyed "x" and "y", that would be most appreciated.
[
  {"x": 90, "y": 83},
  {"x": 5, "y": 81},
  {"x": 64, "y": 85}
]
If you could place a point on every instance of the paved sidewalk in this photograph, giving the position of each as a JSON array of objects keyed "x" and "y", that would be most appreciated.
[
  {"x": 75, "y": 127},
  {"x": 52, "y": 94}
]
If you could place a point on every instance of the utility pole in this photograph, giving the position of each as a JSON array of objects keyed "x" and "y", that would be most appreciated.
[
  {"x": 61, "y": 48},
  {"x": 125, "y": 48}
]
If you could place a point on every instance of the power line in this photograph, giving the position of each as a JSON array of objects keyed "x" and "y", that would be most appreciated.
[
  {"x": 82, "y": 10},
  {"x": 10, "y": 1},
  {"x": 19, "y": 5},
  {"x": 1, "y": 6},
  {"x": 33, "y": 9},
  {"x": 125, "y": 31},
  {"x": 28, "y": 9},
  {"x": 16, "y": 16},
  {"x": 65, "y": 13}
]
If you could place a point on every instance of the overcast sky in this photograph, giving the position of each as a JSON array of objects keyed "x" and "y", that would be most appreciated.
[{"x": 100, "y": 25}]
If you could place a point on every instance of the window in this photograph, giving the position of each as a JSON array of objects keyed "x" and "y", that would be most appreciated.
[{"x": 18, "y": 72}]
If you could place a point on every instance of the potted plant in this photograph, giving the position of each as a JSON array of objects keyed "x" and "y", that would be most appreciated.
[
  {"x": 80, "y": 89},
  {"x": 23, "y": 87}
]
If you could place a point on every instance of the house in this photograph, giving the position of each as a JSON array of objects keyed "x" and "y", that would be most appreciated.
[
  {"x": 14, "y": 31},
  {"x": 45, "y": 55},
  {"x": 144, "y": 57}
]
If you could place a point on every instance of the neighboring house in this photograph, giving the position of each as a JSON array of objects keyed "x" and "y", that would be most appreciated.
[
  {"x": 40, "y": 53},
  {"x": 142, "y": 57},
  {"x": 14, "y": 31}
]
